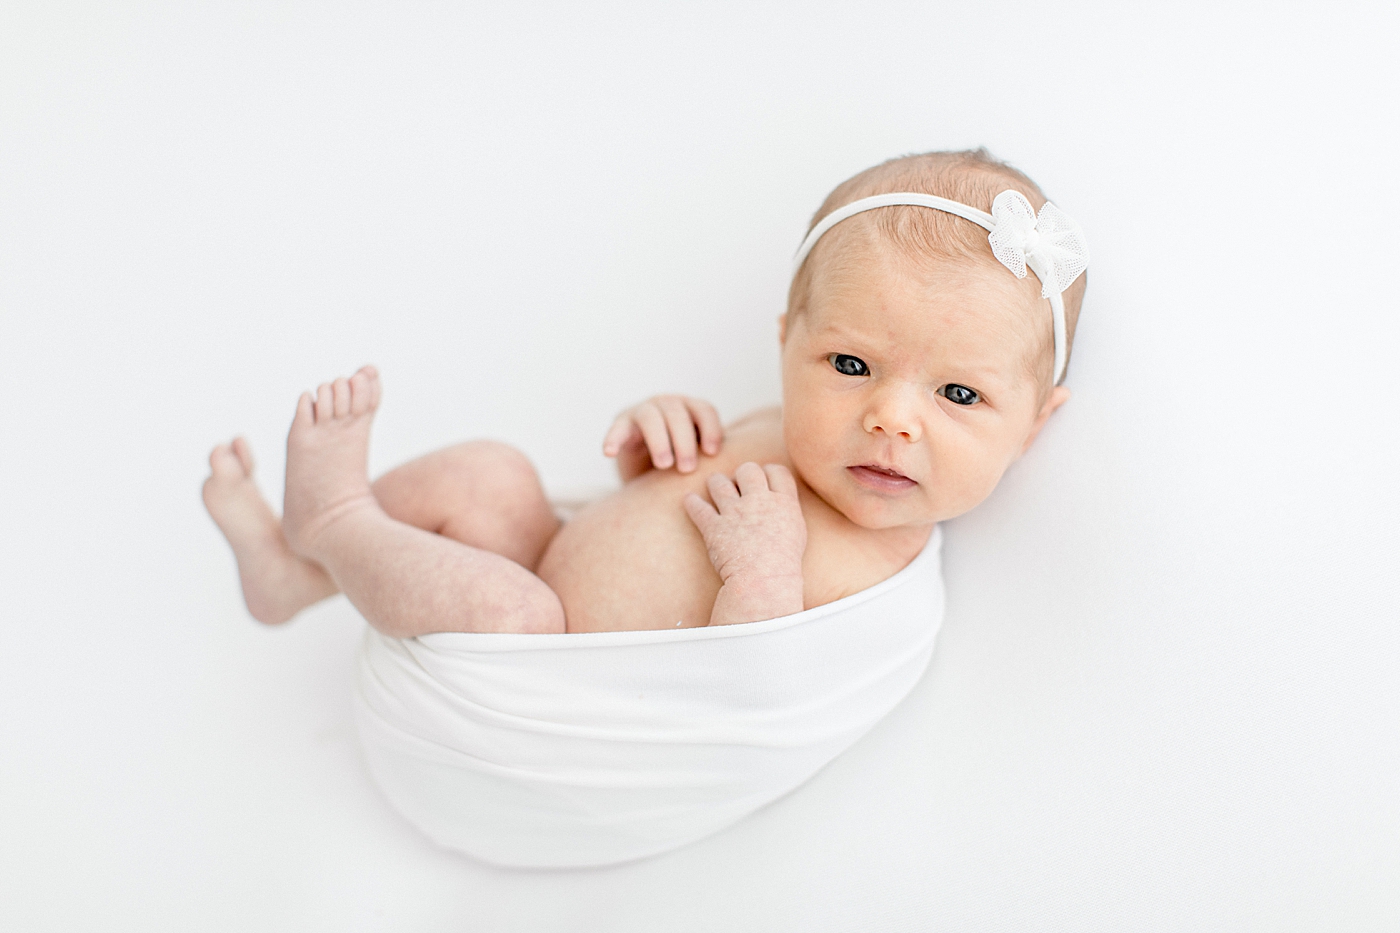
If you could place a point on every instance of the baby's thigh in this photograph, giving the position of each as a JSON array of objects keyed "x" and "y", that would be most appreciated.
[{"x": 484, "y": 494}]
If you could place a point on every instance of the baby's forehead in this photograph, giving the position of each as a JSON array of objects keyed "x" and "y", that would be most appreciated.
[
  {"x": 872, "y": 290},
  {"x": 962, "y": 283}
]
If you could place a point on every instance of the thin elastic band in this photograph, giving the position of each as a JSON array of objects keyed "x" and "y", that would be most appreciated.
[
  {"x": 897, "y": 199},
  {"x": 915, "y": 199}
]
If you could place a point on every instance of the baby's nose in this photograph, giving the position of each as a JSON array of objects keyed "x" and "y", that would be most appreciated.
[
  {"x": 894, "y": 410},
  {"x": 903, "y": 428}
]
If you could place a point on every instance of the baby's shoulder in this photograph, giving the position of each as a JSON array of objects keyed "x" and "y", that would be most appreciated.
[
  {"x": 765, "y": 422},
  {"x": 758, "y": 436}
]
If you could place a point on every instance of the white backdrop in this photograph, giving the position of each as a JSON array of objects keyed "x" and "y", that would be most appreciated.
[{"x": 1166, "y": 696}]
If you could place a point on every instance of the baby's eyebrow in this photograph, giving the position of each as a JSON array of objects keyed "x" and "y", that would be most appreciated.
[
  {"x": 974, "y": 374},
  {"x": 982, "y": 379},
  {"x": 834, "y": 330}
]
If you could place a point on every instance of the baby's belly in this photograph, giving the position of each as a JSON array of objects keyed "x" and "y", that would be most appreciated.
[{"x": 634, "y": 560}]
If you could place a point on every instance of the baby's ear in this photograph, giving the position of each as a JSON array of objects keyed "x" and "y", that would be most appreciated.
[
  {"x": 1058, "y": 396},
  {"x": 782, "y": 329}
]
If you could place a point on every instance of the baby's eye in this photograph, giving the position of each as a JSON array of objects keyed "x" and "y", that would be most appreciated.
[
  {"x": 849, "y": 365},
  {"x": 960, "y": 395}
]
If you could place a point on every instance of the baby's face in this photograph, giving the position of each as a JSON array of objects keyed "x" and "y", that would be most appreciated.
[{"x": 906, "y": 391}]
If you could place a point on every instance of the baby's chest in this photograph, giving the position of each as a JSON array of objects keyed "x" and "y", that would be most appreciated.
[{"x": 635, "y": 561}]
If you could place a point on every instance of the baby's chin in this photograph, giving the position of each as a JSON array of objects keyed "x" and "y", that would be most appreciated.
[
  {"x": 886, "y": 522},
  {"x": 876, "y": 513}
]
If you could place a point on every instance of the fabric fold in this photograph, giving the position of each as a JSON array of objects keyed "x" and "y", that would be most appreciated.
[{"x": 597, "y": 748}]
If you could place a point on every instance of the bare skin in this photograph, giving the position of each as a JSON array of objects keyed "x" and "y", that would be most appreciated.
[
  {"x": 277, "y": 584},
  {"x": 637, "y": 560},
  {"x": 481, "y": 494},
  {"x": 459, "y": 493},
  {"x": 905, "y": 399},
  {"x": 336, "y": 536}
]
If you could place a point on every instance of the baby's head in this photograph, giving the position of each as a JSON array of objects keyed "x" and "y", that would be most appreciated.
[{"x": 916, "y": 366}]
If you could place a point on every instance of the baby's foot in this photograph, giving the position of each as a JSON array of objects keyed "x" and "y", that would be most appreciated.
[
  {"x": 328, "y": 458},
  {"x": 277, "y": 584}
]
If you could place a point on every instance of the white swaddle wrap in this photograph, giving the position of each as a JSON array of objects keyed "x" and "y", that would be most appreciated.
[{"x": 596, "y": 748}]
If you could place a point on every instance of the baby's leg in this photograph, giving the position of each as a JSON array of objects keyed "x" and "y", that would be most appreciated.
[
  {"x": 277, "y": 584},
  {"x": 481, "y": 493},
  {"x": 406, "y": 581}
]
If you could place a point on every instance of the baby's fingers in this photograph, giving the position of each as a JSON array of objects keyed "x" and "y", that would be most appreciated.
[
  {"x": 707, "y": 420},
  {"x": 751, "y": 479},
  {"x": 701, "y": 512},
  {"x": 780, "y": 479},
  {"x": 623, "y": 432},
  {"x": 652, "y": 424},
  {"x": 682, "y": 430},
  {"x": 721, "y": 489}
]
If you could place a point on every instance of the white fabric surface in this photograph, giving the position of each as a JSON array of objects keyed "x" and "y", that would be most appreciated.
[{"x": 562, "y": 751}]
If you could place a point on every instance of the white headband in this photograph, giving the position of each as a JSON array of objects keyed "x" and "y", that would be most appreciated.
[{"x": 1050, "y": 245}]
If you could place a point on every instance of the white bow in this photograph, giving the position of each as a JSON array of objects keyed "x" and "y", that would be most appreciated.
[{"x": 1051, "y": 244}]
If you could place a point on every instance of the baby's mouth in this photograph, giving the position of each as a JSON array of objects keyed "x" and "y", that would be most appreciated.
[{"x": 881, "y": 478}]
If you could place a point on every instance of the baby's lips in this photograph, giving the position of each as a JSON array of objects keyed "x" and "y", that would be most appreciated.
[
  {"x": 878, "y": 477},
  {"x": 887, "y": 471}
]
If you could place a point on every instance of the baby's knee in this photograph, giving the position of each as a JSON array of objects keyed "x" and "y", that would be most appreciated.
[
  {"x": 486, "y": 471},
  {"x": 501, "y": 461},
  {"x": 492, "y": 466},
  {"x": 545, "y": 622},
  {"x": 539, "y": 612}
]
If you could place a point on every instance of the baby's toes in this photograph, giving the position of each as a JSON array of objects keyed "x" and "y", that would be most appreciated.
[
  {"x": 325, "y": 403},
  {"x": 306, "y": 412},
  {"x": 244, "y": 453},
  {"x": 340, "y": 395},
  {"x": 218, "y": 458},
  {"x": 362, "y": 392},
  {"x": 225, "y": 465}
]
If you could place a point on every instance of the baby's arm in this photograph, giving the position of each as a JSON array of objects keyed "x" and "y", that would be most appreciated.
[
  {"x": 663, "y": 431},
  {"x": 756, "y": 536}
]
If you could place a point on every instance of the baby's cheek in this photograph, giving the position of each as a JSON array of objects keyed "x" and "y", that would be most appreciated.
[
  {"x": 808, "y": 458},
  {"x": 814, "y": 479},
  {"x": 970, "y": 487}
]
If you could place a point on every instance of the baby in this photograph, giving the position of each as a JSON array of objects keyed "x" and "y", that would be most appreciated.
[{"x": 918, "y": 362}]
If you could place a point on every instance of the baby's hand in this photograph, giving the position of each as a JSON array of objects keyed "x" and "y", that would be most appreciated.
[
  {"x": 756, "y": 536},
  {"x": 662, "y": 432}
]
